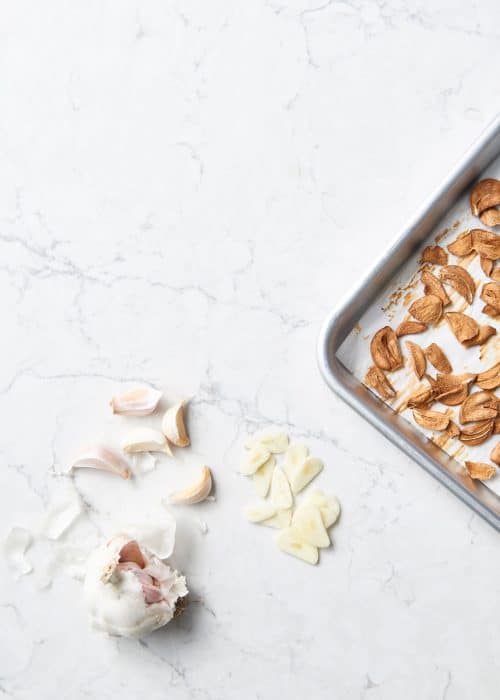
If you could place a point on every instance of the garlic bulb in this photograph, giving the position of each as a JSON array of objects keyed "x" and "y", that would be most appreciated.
[{"x": 128, "y": 590}]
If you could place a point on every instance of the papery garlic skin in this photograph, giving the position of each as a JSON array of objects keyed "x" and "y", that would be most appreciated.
[
  {"x": 141, "y": 401},
  {"x": 129, "y": 591}
]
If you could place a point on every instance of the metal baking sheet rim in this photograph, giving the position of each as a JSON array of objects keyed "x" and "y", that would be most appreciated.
[{"x": 341, "y": 321}]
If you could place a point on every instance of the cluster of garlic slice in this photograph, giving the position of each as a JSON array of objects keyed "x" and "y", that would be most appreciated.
[
  {"x": 303, "y": 529},
  {"x": 143, "y": 401}
]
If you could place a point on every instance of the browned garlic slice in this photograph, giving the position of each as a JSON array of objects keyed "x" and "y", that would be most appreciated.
[
  {"x": 195, "y": 493},
  {"x": 146, "y": 440},
  {"x": 305, "y": 473},
  {"x": 104, "y": 458},
  {"x": 308, "y": 524},
  {"x": 289, "y": 542},
  {"x": 480, "y": 470},
  {"x": 257, "y": 512},
  {"x": 140, "y": 401},
  {"x": 281, "y": 495},
  {"x": 174, "y": 427},
  {"x": 253, "y": 459},
  {"x": 262, "y": 477}
]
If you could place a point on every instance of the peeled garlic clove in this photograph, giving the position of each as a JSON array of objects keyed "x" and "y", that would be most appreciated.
[
  {"x": 262, "y": 477},
  {"x": 140, "y": 401},
  {"x": 174, "y": 427},
  {"x": 257, "y": 512},
  {"x": 254, "y": 459},
  {"x": 329, "y": 506},
  {"x": 294, "y": 457},
  {"x": 308, "y": 525},
  {"x": 146, "y": 440},
  {"x": 100, "y": 457},
  {"x": 281, "y": 519},
  {"x": 275, "y": 441},
  {"x": 289, "y": 542},
  {"x": 15, "y": 545},
  {"x": 281, "y": 495},
  {"x": 305, "y": 473},
  {"x": 195, "y": 493}
]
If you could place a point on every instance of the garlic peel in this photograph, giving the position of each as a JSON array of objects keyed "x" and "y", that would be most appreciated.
[
  {"x": 16, "y": 543},
  {"x": 141, "y": 401},
  {"x": 174, "y": 427},
  {"x": 64, "y": 508},
  {"x": 195, "y": 493},
  {"x": 146, "y": 440},
  {"x": 104, "y": 458}
]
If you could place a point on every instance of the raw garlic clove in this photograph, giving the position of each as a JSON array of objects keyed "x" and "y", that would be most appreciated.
[
  {"x": 262, "y": 477},
  {"x": 254, "y": 459},
  {"x": 294, "y": 457},
  {"x": 305, "y": 473},
  {"x": 140, "y": 401},
  {"x": 281, "y": 495},
  {"x": 174, "y": 427},
  {"x": 308, "y": 525},
  {"x": 146, "y": 440},
  {"x": 281, "y": 519},
  {"x": 329, "y": 506},
  {"x": 15, "y": 545},
  {"x": 289, "y": 542},
  {"x": 195, "y": 493},
  {"x": 257, "y": 512},
  {"x": 275, "y": 441},
  {"x": 104, "y": 458}
]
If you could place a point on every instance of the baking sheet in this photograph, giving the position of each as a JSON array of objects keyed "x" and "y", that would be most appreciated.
[{"x": 391, "y": 307}]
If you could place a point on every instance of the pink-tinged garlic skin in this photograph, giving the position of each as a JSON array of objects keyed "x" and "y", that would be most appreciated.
[
  {"x": 141, "y": 401},
  {"x": 104, "y": 458},
  {"x": 129, "y": 591}
]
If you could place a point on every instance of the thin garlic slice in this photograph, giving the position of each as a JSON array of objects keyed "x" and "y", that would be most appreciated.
[
  {"x": 294, "y": 457},
  {"x": 275, "y": 441},
  {"x": 305, "y": 473},
  {"x": 281, "y": 495},
  {"x": 329, "y": 506},
  {"x": 174, "y": 427},
  {"x": 15, "y": 545},
  {"x": 257, "y": 512},
  {"x": 140, "y": 401},
  {"x": 64, "y": 508},
  {"x": 195, "y": 493},
  {"x": 308, "y": 525},
  {"x": 262, "y": 477},
  {"x": 146, "y": 440},
  {"x": 254, "y": 459},
  {"x": 100, "y": 457},
  {"x": 289, "y": 542},
  {"x": 281, "y": 519}
]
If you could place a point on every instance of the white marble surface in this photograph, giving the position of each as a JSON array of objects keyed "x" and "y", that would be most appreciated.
[{"x": 186, "y": 189}]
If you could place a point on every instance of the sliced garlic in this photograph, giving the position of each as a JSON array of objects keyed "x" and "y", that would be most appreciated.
[
  {"x": 275, "y": 441},
  {"x": 136, "y": 402},
  {"x": 308, "y": 525},
  {"x": 253, "y": 459},
  {"x": 262, "y": 477},
  {"x": 328, "y": 505},
  {"x": 146, "y": 440},
  {"x": 15, "y": 545},
  {"x": 305, "y": 473},
  {"x": 63, "y": 509},
  {"x": 288, "y": 541},
  {"x": 282, "y": 518},
  {"x": 281, "y": 495},
  {"x": 100, "y": 457},
  {"x": 174, "y": 427},
  {"x": 257, "y": 512},
  {"x": 195, "y": 493},
  {"x": 294, "y": 457}
]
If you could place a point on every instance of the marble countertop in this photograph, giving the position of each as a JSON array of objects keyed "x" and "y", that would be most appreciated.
[{"x": 186, "y": 190}]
